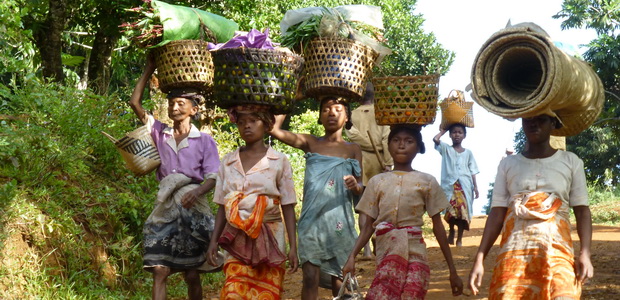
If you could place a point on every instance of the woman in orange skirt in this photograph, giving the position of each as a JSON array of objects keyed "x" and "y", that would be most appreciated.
[{"x": 532, "y": 196}]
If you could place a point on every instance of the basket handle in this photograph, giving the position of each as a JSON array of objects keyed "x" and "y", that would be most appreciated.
[
  {"x": 459, "y": 95},
  {"x": 111, "y": 138}
]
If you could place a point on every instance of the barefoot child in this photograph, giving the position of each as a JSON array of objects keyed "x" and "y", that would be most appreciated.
[
  {"x": 532, "y": 197},
  {"x": 326, "y": 227},
  {"x": 394, "y": 203},
  {"x": 178, "y": 230},
  {"x": 254, "y": 184},
  {"x": 458, "y": 180}
]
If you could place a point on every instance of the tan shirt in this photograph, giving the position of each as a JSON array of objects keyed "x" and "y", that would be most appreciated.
[
  {"x": 271, "y": 176},
  {"x": 401, "y": 198}
]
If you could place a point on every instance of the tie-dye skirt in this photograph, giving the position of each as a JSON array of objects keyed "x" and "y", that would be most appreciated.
[{"x": 536, "y": 252}]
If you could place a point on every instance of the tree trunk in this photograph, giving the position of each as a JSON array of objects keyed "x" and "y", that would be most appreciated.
[
  {"x": 100, "y": 61},
  {"x": 49, "y": 40}
]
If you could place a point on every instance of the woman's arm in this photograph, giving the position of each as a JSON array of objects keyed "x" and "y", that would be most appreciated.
[
  {"x": 354, "y": 183},
  {"x": 440, "y": 233},
  {"x": 362, "y": 240},
  {"x": 438, "y": 136},
  {"x": 136, "y": 97},
  {"x": 288, "y": 211},
  {"x": 492, "y": 229},
  {"x": 220, "y": 222},
  {"x": 299, "y": 141},
  {"x": 190, "y": 198},
  {"x": 473, "y": 179},
  {"x": 583, "y": 265}
]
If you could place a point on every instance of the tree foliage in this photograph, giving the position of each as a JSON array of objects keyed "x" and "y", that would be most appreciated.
[{"x": 597, "y": 145}]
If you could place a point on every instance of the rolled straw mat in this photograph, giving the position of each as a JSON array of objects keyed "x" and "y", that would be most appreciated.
[{"x": 519, "y": 73}]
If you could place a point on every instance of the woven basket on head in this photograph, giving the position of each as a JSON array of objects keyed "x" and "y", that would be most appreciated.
[
  {"x": 138, "y": 150},
  {"x": 519, "y": 72},
  {"x": 454, "y": 109},
  {"x": 336, "y": 66},
  {"x": 256, "y": 76},
  {"x": 184, "y": 63},
  {"x": 406, "y": 99}
]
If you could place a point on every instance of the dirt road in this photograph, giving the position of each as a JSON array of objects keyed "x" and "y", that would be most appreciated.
[{"x": 604, "y": 285}]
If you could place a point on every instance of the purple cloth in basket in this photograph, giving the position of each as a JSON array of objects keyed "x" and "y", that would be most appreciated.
[{"x": 251, "y": 39}]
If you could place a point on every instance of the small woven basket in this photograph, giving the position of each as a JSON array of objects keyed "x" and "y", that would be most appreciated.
[
  {"x": 256, "y": 76},
  {"x": 454, "y": 109},
  {"x": 184, "y": 63},
  {"x": 336, "y": 66},
  {"x": 138, "y": 150},
  {"x": 406, "y": 99}
]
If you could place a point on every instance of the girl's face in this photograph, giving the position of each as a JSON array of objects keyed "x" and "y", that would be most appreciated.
[
  {"x": 457, "y": 134},
  {"x": 538, "y": 129},
  {"x": 180, "y": 109},
  {"x": 251, "y": 128},
  {"x": 403, "y": 147},
  {"x": 333, "y": 115}
]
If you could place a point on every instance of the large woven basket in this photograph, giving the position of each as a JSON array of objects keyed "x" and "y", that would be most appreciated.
[
  {"x": 184, "y": 63},
  {"x": 138, "y": 150},
  {"x": 336, "y": 66},
  {"x": 454, "y": 109},
  {"x": 256, "y": 76},
  {"x": 406, "y": 99}
]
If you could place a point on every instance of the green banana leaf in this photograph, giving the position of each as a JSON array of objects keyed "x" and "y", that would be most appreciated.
[{"x": 184, "y": 23}]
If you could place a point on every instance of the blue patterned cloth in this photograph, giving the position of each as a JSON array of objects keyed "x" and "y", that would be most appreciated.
[{"x": 326, "y": 228}]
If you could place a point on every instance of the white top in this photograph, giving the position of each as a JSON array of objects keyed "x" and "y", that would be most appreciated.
[
  {"x": 457, "y": 166},
  {"x": 562, "y": 174}
]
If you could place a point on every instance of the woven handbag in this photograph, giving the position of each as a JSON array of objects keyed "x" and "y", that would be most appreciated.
[
  {"x": 454, "y": 109},
  {"x": 138, "y": 150},
  {"x": 349, "y": 282}
]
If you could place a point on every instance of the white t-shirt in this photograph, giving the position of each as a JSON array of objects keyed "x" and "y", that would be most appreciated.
[{"x": 562, "y": 174}]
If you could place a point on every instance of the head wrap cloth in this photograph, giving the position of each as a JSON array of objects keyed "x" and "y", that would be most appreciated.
[{"x": 192, "y": 94}]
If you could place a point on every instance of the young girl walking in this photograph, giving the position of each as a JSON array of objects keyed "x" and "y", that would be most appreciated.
[
  {"x": 458, "y": 180},
  {"x": 254, "y": 185},
  {"x": 394, "y": 203},
  {"x": 532, "y": 197},
  {"x": 326, "y": 227}
]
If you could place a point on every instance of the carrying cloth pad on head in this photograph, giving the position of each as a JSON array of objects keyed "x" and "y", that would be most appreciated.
[{"x": 519, "y": 72}]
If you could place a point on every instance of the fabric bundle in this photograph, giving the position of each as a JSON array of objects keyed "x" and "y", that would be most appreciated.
[{"x": 519, "y": 72}]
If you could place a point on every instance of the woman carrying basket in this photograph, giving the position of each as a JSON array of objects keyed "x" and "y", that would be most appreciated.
[
  {"x": 177, "y": 232},
  {"x": 256, "y": 214},
  {"x": 458, "y": 180},
  {"x": 326, "y": 227},
  {"x": 532, "y": 197}
]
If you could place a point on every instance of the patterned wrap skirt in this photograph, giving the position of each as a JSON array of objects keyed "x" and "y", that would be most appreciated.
[
  {"x": 536, "y": 252},
  {"x": 174, "y": 236},
  {"x": 402, "y": 268},
  {"x": 458, "y": 212}
]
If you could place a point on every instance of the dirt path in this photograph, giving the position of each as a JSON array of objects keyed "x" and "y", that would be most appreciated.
[{"x": 604, "y": 285}]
